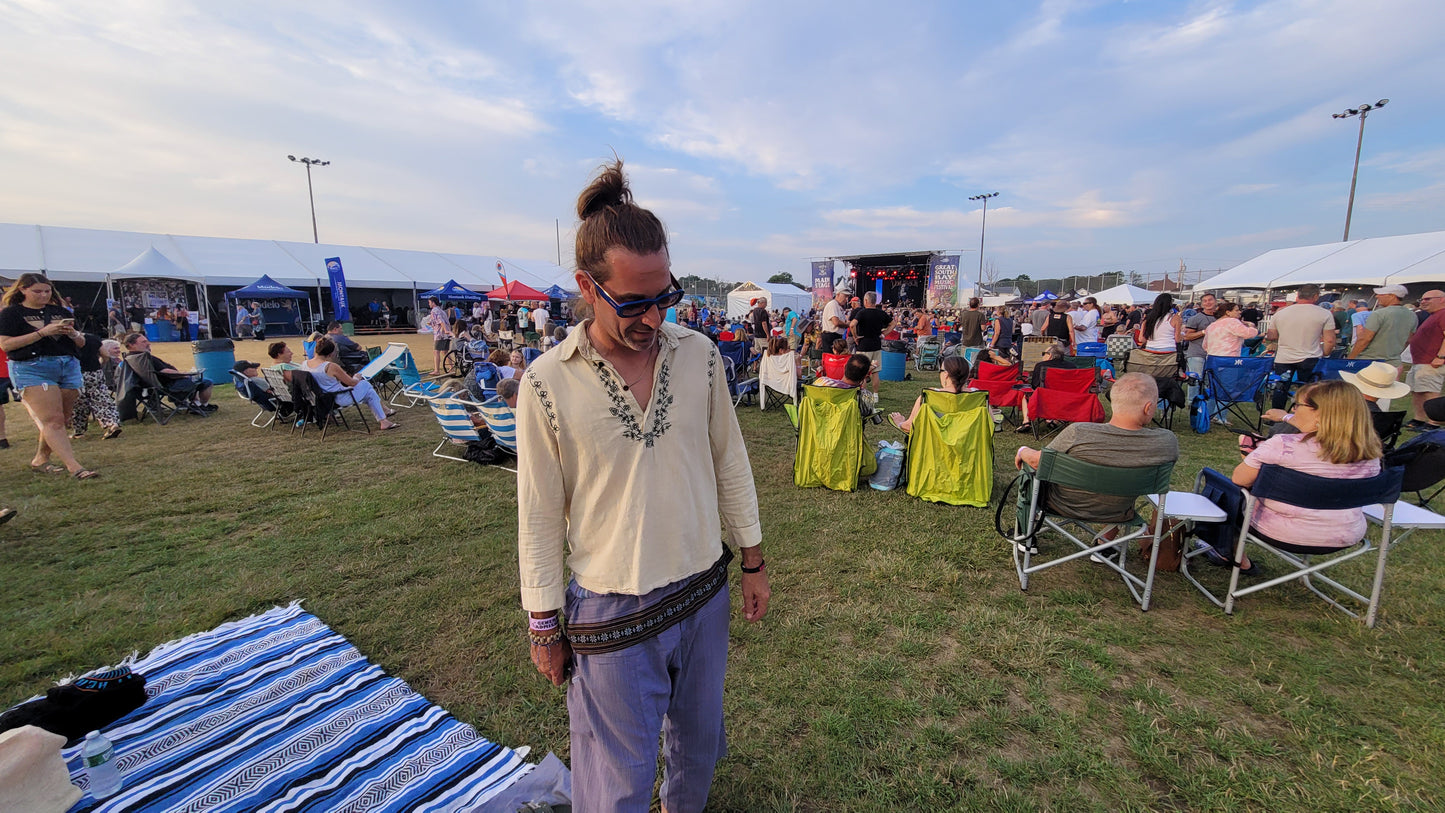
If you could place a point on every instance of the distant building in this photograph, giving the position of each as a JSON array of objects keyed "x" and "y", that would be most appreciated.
[{"x": 1165, "y": 284}]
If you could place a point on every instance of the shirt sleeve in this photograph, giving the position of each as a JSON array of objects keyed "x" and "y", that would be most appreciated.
[
  {"x": 1270, "y": 451},
  {"x": 1372, "y": 322},
  {"x": 737, "y": 496},
  {"x": 541, "y": 501}
]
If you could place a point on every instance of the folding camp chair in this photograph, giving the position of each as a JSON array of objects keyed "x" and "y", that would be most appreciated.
[
  {"x": 257, "y": 396},
  {"x": 160, "y": 396},
  {"x": 1067, "y": 396},
  {"x": 778, "y": 380},
  {"x": 1387, "y": 426},
  {"x": 1108, "y": 543},
  {"x": 501, "y": 422},
  {"x": 1002, "y": 385},
  {"x": 1229, "y": 383},
  {"x": 321, "y": 408},
  {"x": 454, "y": 415},
  {"x": 1033, "y": 350},
  {"x": 1327, "y": 369},
  {"x": 950, "y": 449},
  {"x": 530, "y": 354},
  {"x": 832, "y": 365},
  {"x": 414, "y": 388},
  {"x": 832, "y": 450},
  {"x": 482, "y": 383},
  {"x": 286, "y": 408},
  {"x": 735, "y": 366},
  {"x": 1311, "y": 493},
  {"x": 1423, "y": 458},
  {"x": 929, "y": 353}
]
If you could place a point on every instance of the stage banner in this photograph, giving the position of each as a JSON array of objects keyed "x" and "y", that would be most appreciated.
[
  {"x": 339, "y": 303},
  {"x": 943, "y": 281},
  {"x": 822, "y": 283}
]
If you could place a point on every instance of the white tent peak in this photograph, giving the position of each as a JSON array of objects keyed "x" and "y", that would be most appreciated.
[
  {"x": 152, "y": 263},
  {"x": 1125, "y": 295}
]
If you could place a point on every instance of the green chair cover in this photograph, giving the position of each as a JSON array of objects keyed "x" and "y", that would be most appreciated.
[
  {"x": 950, "y": 450},
  {"x": 832, "y": 451}
]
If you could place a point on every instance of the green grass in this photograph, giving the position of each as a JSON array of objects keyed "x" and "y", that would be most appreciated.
[{"x": 900, "y": 664}]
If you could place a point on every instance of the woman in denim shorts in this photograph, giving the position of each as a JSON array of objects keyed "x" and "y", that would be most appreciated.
[{"x": 40, "y": 338}]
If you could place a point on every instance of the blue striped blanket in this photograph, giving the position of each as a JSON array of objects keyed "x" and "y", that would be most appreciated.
[{"x": 277, "y": 712}]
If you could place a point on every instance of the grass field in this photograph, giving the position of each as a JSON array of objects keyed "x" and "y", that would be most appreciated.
[{"x": 900, "y": 666}]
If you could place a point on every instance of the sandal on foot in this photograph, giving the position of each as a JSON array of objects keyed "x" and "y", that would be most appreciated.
[
  {"x": 7, "y": 514},
  {"x": 48, "y": 468},
  {"x": 86, "y": 474},
  {"x": 113, "y": 432}
]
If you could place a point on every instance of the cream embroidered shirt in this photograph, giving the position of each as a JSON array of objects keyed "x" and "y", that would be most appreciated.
[{"x": 634, "y": 500}]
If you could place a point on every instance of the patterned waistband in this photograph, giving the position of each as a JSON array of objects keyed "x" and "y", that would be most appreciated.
[{"x": 620, "y": 633}]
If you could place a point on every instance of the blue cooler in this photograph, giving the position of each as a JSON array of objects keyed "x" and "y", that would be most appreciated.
[
  {"x": 894, "y": 366},
  {"x": 215, "y": 358}
]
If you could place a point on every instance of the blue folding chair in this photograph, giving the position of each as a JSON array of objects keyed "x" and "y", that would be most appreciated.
[
  {"x": 735, "y": 363},
  {"x": 485, "y": 378},
  {"x": 1305, "y": 564},
  {"x": 530, "y": 354},
  {"x": 1327, "y": 369},
  {"x": 1228, "y": 383}
]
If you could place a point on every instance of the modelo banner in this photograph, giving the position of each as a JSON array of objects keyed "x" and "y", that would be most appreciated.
[
  {"x": 822, "y": 283},
  {"x": 943, "y": 281},
  {"x": 339, "y": 303}
]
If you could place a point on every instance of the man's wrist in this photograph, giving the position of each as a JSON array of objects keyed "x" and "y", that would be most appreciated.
[{"x": 751, "y": 556}]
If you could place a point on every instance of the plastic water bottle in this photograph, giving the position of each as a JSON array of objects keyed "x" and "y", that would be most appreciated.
[{"x": 98, "y": 755}]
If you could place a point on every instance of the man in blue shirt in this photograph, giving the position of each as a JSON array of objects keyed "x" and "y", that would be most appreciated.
[{"x": 790, "y": 328}]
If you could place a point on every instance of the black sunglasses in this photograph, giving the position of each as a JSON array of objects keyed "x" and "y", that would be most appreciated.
[{"x": 637, "y": 307}]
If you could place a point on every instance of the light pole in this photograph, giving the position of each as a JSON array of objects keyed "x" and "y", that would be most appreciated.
[
  {"x": 981, "y": 229},
  {"x": 310, "y": 162},
  {"x": 1361, "y": 111}
]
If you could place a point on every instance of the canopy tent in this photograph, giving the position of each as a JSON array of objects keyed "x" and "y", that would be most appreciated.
[
  {"x": 264, "y": 289},
  {"x": 514, "y": 291},
  {"x": 558, "y": 292},
  {"x": 1125, "y": 295},
  {"x": 1046, "y": 296},
  {"x": 779, "y": 296},
  {"x": 452, "y": 292},
  {"x": 1373, "y": 261},
  {"x": 268, "y": 288}
]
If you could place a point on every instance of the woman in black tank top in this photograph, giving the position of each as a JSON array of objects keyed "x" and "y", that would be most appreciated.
[{"x": 1058, "y": 327}]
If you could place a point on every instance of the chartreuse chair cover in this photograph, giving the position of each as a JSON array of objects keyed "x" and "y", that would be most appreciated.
[
  {"x": 831, "y": 449},
  {"x": 950, "y": 450}
]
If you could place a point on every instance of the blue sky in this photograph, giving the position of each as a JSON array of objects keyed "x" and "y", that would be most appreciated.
[{"x": 1120, "y": 135}]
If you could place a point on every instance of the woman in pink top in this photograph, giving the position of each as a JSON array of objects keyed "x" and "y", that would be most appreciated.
[
  {"x": 1337, "y": 440},
  {"x": 1227, "y": 334}
]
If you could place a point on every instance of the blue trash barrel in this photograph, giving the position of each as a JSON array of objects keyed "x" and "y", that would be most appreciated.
[
  {"x": 153, "y": 331},
  {"x": 895, "y": 366},
  {"x": 215, "y": 358}
]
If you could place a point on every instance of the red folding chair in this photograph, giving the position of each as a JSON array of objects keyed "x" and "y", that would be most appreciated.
[
  {"x": 1001, "y": 384},
  {"x": 1067, "y": 396},
  {"x": 833, "y": 364}
]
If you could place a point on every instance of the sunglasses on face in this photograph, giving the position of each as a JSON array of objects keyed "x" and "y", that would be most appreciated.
[{"x": 634, "y": 308}]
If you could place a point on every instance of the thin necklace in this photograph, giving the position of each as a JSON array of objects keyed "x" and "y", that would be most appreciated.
[{"x": 627, "y": 385}]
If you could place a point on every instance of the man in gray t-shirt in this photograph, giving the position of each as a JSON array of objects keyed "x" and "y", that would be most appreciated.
[
  {"x": 1387, "y": 329},
  {"x": 1126, "y": 441},
  {"x": 1193, "y": 333}
]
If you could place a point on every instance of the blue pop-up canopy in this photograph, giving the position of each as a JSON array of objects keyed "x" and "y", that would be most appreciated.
[
  {"x": 1046, "y": 296},
  {"x": 558, "y": 292},
  {"x": 268, "y": 288},
  {"x": 452, "y": 292}
]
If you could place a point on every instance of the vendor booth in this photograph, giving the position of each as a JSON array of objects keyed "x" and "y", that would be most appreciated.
[
  {"x": 1125, "y": 295},
  {"x": 515, "y": 291},
  {"x": 280, "y": 306},
  {"x": 452, "y": 292},
  {"x": 778, "y": 296},
  {"x": 156, "y": 294}
]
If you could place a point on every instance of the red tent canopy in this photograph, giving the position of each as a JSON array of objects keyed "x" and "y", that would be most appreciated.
[{"x": 515, "y": 290}]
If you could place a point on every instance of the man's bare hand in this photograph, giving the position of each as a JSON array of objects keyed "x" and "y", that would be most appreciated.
[
  {"x": 756, "y": 593},
  {"x": 552, "y": 661}
]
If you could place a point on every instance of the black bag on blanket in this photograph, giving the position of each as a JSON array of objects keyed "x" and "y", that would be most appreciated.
[{"x": 90, "y": 703}]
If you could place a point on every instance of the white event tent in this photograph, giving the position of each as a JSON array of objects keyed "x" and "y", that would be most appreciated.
[
  {"x": 779, "y": 296},
  {"x": 1125, "y": 295},
  {"x": 1374, "y": 261},
  {"x": 93, "y": 255}
]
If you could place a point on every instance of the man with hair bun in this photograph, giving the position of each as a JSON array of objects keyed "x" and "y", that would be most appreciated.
[{"x": 630, "y": 461}]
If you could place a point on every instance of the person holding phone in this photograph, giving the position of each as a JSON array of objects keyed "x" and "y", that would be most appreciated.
[{"x": 39, "y": 336}]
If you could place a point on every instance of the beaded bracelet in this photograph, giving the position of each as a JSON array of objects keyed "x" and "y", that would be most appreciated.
[
  {"x": 549, "y": 639},
  {"x": 758, "y": 569},
  {"x": 542, "y": 624}
]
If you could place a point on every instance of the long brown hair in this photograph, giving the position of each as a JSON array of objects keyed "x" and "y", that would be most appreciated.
[
  {"x": 15, "y": 294},
  {"x": 611, "y": 220},
  {"x": 1345, "y": 434}
]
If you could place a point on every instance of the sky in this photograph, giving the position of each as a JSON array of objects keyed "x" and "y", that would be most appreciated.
[{"x": 1120, "y": 136}]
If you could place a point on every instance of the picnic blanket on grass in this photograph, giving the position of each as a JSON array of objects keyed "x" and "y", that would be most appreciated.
[{"x": 277, "y": 712}]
